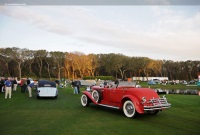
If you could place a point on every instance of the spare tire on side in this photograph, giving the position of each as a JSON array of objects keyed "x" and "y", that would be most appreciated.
[{"x": 97, "y": 95}]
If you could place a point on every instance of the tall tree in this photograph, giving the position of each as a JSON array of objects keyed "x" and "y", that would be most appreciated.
[
  {"x": 58, "y": 58},
  {"x": 70, "y": 63},
  {"x": 169, "y": 64},
  {"x": 20, "y": 56},
  {"x": 50, "y": 66},
  {"x": 30, "y": 60},
  {"x": 189, "y": 66},
  {"x": 67, "y": 65},
  {"x": 6, "y": 57},
  {"x": 40, "y": 56},
  {"x": 92, "y": 64},
  {"x": 144, "y": 66}
]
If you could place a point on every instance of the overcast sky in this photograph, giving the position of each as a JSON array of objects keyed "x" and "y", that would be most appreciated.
[{"x": 157, "y": 32}]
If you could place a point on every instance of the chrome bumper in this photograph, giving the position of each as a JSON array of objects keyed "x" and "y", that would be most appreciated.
[{"x": 157, "y": 104}]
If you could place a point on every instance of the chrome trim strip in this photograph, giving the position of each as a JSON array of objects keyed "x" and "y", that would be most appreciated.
[{"x": 109, "y": 106}]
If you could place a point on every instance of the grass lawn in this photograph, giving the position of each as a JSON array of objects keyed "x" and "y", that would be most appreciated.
[{"x": 22, "y": 115}]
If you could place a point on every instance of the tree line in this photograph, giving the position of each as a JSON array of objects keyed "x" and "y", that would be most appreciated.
[{"x": 22, "y": 62}]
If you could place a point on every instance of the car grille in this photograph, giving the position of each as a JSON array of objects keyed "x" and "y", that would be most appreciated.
[{"x": 157, "y": 104}]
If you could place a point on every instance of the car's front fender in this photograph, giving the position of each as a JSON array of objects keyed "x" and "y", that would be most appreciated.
[
  {"x": 138, "y": 106},
  {"x": 89, "y": 95}
]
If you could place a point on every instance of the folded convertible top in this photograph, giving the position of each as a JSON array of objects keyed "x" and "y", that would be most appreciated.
[{"x": 45, "y": 83}]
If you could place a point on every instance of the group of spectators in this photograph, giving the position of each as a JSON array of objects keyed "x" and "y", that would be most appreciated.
[
  {"x": 9, "y": 84},
  {"x": 76, "y": 85},
  {"x": 26, "y": 85}
]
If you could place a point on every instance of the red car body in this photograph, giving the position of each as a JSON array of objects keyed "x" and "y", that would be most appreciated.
[{"x": 130, "y": 99}]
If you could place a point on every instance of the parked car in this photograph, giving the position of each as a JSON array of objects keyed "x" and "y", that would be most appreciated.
[
  {"x": 46, "y": 89},
  {"x": 130, "y": 99},
  {"x": 192, "y": 82},
  {"x": 151, "y": 82},
  {"x": 172, "y": 82},
  {"x": 157, "y": 81},
  {"x": 184, "y": 82},
  {"x": 159, "y": 91}
]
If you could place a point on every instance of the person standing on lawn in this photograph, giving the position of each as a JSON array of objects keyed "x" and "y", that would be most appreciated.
[
  {"x": 78, "y": 83},
  {"x": 30, "y": 86},
  {"x": 23, "y": 85},
  {"x": 2, "y": 84},
  {"x": 15, "y": 84},
  {"x": 8, "y": 85},
  {"x": 74, "y": 85}
]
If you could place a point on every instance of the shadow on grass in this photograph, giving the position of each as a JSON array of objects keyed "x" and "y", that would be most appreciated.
[
  {"x": 120, "y": 113},
  {"x": 46, "y": 98},
  {"x": 106, "y": 109}
]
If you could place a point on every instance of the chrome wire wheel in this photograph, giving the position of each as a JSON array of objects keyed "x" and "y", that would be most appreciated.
[
  {"x": 95, "y": 95},
  {"x": 129, "y": 109},
  {"x": 84, "y": 100}
]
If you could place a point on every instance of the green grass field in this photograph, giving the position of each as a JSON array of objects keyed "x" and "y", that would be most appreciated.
[{"x": 22, "y": 115}]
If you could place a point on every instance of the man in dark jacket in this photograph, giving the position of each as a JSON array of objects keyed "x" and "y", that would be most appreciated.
[
  {"x": 2, "y": 84},
  {"x": 78, "y": 84},
  {"x": 15, "y": 84},
  {"x": 74, "y": 85},
  {"x": 28, "y": 81}
]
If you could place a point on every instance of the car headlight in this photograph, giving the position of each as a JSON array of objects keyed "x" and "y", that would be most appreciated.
[{"x": 144, "y": 99}]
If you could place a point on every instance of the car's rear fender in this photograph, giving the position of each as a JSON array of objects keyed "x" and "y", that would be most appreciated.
[
  {"x": 89, "y": 95},
  {"x": 136, "y": 102}
]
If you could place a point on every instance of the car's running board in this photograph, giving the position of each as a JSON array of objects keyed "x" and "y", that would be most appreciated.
[{"x": 109, "y": 106}]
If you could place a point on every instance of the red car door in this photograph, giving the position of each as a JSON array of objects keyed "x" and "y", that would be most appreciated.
[
  {"x": 106, "y": 94},
  {"x": 116, "y": 96}
]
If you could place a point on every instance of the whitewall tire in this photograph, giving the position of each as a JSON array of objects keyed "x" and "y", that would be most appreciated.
[
  {"x": 84, "y": 100},
  {"x": 129, "y": 109},
  {"x": 96, "y": 95}
]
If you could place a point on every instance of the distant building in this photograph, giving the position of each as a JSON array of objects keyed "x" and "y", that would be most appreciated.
[{"x": 150, "y": 78}]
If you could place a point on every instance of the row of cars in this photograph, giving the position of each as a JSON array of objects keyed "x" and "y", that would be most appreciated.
[
  {"x": 164, "y": 82},
  {"x": 119, "y": 95}
]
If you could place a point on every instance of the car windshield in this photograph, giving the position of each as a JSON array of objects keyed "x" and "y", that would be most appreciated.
[
  {"x": 127, "y": 83},
  {"x": 123, "y": 83}
]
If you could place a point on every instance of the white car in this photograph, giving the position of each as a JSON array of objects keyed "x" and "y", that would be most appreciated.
[{"x": 46, "y": 89}]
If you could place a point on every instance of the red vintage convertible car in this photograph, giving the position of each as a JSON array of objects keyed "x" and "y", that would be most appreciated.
[{"x": 130, "y": 99}]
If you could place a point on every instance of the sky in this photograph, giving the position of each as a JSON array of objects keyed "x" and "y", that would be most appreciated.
[{"x": 154, "y": 31}]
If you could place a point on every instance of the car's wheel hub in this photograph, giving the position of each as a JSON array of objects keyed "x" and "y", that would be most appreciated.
[
  {"x": 84, "y": 99},
  {"x": 129, "y": 109},
  {"x": 96, "y": 97}
]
